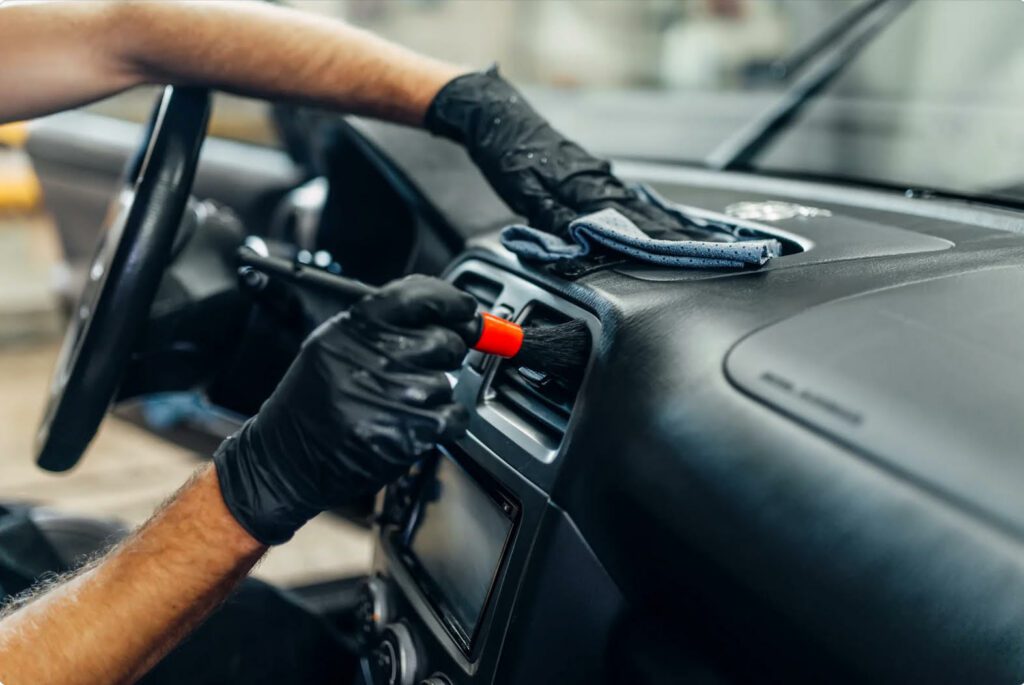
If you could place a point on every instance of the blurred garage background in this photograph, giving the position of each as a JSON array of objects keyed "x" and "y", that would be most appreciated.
[{"x": 673, "y": 49}]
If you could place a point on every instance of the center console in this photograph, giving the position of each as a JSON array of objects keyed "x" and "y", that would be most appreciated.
[
  {"x": 454, "y": 543},
  {"x": 451, "y": 542},
  {"x": 472, "y": 558}
]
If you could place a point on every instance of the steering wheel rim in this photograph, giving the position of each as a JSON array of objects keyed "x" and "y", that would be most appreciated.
[{"x": 133, "y": 250}]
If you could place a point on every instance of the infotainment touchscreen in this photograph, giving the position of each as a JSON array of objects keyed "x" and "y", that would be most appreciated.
[{"x": 457, "y": 540}]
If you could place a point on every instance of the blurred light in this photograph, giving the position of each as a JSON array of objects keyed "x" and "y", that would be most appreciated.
[{"x": 322, "y": 258}]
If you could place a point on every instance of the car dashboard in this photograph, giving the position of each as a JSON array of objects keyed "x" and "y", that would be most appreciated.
[
  {"x": 802, "y": 472},
  {"x": 807, "y": 472},
  {"x": 461, "y": 535}
]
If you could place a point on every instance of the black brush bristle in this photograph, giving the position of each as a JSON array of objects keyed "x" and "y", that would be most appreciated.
[{"x": 561, "y": 350}]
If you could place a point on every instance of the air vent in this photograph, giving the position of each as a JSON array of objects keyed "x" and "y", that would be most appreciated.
[
  {"x": 537, "y": 401},
  {"x": 484, "y": 290}
]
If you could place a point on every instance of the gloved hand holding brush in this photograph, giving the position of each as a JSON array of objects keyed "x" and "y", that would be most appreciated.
[
  {"x": 560, "y": 350},
  {"x": 540, "y": 173},
  {"x": 365, "y": 398}
]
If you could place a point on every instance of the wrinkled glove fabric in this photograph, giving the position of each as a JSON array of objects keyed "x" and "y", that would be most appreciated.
[
  {"x": 538, "y": 172},
  {"x": 365, "y": 398},
  {"x": 571, "y": 199}
]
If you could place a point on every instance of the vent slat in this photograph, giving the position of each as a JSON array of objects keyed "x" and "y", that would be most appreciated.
[
  {"x": 544, "y": 402},
  {"x": 528, "y": 408},
  {"x": 484, "y": 290},
  {"x": 554, "y": 399}
]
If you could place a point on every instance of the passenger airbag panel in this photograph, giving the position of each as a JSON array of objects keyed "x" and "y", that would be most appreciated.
[{"x": 927, "y": 378}]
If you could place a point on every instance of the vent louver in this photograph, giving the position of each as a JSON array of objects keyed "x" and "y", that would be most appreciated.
[
  {"x": 542, "y": 402},
  {"x": 484, "y": 290}
]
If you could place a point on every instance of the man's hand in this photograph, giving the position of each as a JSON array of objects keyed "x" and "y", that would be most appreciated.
[
  {"x": 61, "y": 54},
  {"x": 366, "y": 397},
  {"x": 540, "y": 173}
]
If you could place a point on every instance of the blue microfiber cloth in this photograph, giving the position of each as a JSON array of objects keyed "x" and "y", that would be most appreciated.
[{"x": 608, "y": 228}]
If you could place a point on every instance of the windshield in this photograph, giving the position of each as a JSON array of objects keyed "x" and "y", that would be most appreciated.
[
  {"x": 599, "y": 44},
  {"x": 933, "y": 101},
  {"x": 628, "y": 78}
]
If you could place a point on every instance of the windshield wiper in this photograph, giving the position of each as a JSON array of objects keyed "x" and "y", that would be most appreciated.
[
  {"x": 785, "y": 68},
  {"x": 738, "y": 150}
]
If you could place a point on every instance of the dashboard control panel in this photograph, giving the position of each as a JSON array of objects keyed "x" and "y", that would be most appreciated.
[
  {"x": 394, "y": 660},
  {"x": 454, "y": 536}
]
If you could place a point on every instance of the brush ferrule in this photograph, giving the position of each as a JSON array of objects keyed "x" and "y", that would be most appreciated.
[{"x": 499, "y": 336}]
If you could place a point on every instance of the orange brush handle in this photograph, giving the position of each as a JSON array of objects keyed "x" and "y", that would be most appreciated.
[{"x": 499, "y": 336}]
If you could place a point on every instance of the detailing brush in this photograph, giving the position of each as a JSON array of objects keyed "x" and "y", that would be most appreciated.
[{"x": 559, "y": 350}]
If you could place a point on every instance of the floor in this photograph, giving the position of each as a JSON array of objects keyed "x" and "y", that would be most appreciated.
[{"x": 127, "y": 471}]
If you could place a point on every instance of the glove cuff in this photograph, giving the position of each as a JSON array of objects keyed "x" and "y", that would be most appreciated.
[
  {"x": 461, "y": 104},
  {"x": 246, "y": 494}
]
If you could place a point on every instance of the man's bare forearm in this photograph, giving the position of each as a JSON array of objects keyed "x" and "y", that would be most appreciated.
[
  {"x": 58, "y": 55},
  {"x": 113, "y": 621}
]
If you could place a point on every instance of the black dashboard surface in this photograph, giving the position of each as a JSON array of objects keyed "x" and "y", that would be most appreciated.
[
  {"x": 926, "y": 377},
  {"x": 764, "y": 534}
]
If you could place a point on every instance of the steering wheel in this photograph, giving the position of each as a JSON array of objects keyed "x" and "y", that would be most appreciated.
[{"x": 134, "y": 248}]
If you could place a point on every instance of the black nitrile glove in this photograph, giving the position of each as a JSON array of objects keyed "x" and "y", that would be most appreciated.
[
  {"x": 365, "y": 398},
  {"x": 538, "y": 172}
]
